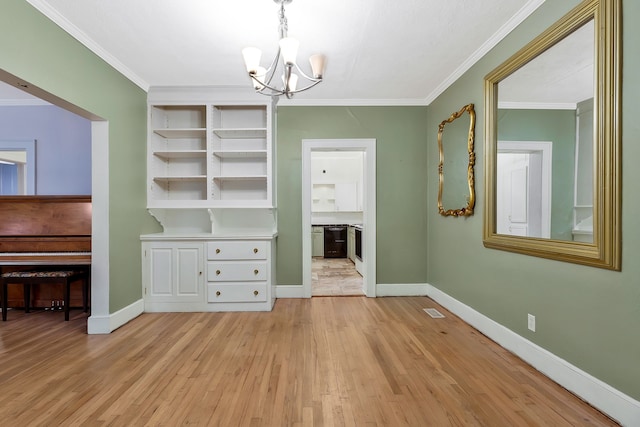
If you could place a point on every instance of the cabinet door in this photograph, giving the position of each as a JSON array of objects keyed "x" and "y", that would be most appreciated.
[
  {"x": 317, "y": 242},
  {"x": 346, "y": 197},
  {"x": 351, "y": 244},
  {"x": 175, "y": 271}
]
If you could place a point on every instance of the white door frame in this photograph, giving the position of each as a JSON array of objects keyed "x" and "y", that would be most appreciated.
[
  {"x": 99, "y": 322},
  {"x": 546, "y": 149},
  {"x": 368, "y": 147}
]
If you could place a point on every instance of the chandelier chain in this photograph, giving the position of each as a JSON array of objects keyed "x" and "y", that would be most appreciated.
[{"x": 284, "y": 27}]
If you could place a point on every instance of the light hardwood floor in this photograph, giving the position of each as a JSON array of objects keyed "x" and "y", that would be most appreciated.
[
  {"x": 334, "y": 277},
  {"x": 310, "y": 362}
]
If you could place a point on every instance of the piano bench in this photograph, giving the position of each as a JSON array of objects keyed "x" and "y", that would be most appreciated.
[{"x": 28, "y": 278}]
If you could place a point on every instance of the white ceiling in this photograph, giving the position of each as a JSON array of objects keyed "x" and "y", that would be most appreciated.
[{"x": 380, "y": 52}]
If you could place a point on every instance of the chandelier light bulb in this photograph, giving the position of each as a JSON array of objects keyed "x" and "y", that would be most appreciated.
[
  {"x": 293, "y": 83},
  {"x": 317, "y": 62},
  {"x": 252, "y": 59},
  {"x": 289, "y": 49}
]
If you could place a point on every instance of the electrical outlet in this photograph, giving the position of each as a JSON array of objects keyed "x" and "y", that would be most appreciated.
[{"x": 531, "y": 322}]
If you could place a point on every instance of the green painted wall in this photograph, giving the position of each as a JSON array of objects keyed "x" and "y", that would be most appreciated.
[
  {"x": 401, "y": 181},
  {"x": 38, "y": 51},
  {"x": 567, "y": 299},
  {"x": 559, "y": 127},
  {"x": 587, "y": 316}
]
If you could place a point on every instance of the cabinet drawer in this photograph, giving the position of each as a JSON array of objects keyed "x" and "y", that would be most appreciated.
[
  {"x": 232, "y": 271},
  {"x": 237, "y": 292},
  {"x": 227, "y": 250}
]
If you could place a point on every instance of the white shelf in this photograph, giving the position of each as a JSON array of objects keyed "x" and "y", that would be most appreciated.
[
  {"x": 240, "y": 178},
  {"x": 231, "y": 154},
  {"x": 239, "y": 133},
  {"x": 180, "y": 154},
  {"x": 180, "y": 178},
  {"x": 182, "y": 133},
  {"x": 209, "y": 154}
]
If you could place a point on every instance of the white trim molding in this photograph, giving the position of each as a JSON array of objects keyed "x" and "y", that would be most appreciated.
[
  {"x": 496, "y": 38},
  {"x": 506, "y": 105},
  {"x": 401, "y": 289},
  {"x": 290, "y": 291},
  {"x": 47, "y": 10},
  {"x": 368, "y": 147},
  {"x": 611, "y": 401},
  {"x": 109, "y": 323},
  {"x": 382, "y": 290}
]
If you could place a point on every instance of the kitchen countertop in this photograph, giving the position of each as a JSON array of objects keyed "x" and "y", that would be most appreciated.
[{"x": 357, "y": 225}]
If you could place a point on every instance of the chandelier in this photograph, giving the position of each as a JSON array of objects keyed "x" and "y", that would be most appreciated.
[{"x": 262, "y": 78}]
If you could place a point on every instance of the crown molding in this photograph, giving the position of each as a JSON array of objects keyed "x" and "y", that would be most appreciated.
[
  {"x": 496, "y": 38},
  {"x": 351, "y": 102},
  {"x": 48, "y": 11},
  {"x": 537, "y": 105}
]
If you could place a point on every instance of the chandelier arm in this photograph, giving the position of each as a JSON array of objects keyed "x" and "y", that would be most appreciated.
[
  {"x": 273, "y": 68},
  {"x": 265, "y": 86},
  {"x": 315, "y": 82},
  {"x": 307, "y": 77}
]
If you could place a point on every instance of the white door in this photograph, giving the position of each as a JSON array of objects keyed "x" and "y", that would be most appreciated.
[
  {"x": 513, "y": 194},
  {"x": 523, "y": 189}
]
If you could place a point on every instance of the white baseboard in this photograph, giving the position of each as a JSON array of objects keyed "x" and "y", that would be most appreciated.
[
  {"x": 401, "y": 289},
  {"x": 289, "y": 291},
  {"x": 614, "y": 403},
  {"x": 382, "y": 290},
  {"x": 108, "y": 324}
]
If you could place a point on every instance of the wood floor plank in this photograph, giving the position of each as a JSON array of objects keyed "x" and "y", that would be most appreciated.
[{"x": 326, "y": 361}]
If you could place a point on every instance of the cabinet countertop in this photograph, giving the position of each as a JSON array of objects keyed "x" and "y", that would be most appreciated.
[{"x": 207, "y": 236}]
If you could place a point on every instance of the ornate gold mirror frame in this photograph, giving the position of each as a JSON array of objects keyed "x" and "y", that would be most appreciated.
[
  {"x": 604, "y": 251},
  {"x": 471, "y": 199}
]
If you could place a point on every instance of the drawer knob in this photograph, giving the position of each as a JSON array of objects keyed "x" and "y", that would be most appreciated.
[
  {"x": 217, "y": 250},
  {"x": 255, "y": 293},
  {"x": 255, "y": 250},
  {"x": 256, "y": 271},
  {"x": 217, "y": 293},
  {"x": 217, "y": 272}
]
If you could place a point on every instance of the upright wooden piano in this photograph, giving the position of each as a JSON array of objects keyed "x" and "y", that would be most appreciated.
[{"x": 44, "y": 232}]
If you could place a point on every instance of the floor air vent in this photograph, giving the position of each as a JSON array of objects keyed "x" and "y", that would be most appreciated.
[{"x": 433, "y": 313}]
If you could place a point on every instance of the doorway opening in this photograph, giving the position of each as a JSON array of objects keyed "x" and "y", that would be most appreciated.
[
  {"x": 523, "y": 188},
  {"x": 335, "y": 211},
  {"x": 99, "y": 321}
]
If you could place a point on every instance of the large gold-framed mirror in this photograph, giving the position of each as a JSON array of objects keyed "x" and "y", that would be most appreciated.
[
  {"x": 552, "y": 142},
  {"x": 457, "y": 159}
]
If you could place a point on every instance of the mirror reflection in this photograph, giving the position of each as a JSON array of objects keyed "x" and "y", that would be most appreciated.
[
  {"x": 544, "y": 185},
  {"x": 456, "y": 192},
  {"x": 552, "y": 142}
]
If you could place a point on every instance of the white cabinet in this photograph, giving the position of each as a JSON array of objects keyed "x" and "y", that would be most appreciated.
[
  {"x": 173, "y": 272},
  {"x": 346, "y": 197},
  {"x": 210, "y": 186},
  {"x": 317, "y": 241},
  {"x": 351, "y": 243},
  {"x": 210, "y": 155},
  {"x": 239, "y": 274},
  {"x": 202, "y": 273}
]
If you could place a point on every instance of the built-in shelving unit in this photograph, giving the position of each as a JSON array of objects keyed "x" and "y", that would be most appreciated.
[
  {"x": 210, "y": 186},
  {"x": 210, "y": 155}
]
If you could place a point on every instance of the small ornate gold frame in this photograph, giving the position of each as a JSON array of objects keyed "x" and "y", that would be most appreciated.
[{"x": 467, "y": 210}]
